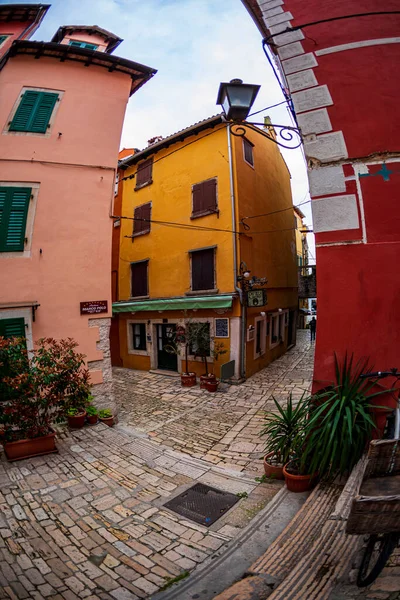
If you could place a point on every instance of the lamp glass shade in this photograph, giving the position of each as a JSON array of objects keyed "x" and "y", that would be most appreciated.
[{"x": 237, "y": 99}]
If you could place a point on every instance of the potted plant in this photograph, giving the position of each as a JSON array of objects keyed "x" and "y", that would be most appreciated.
[
  {"x": 182, "y": 338},
  {"x": 92, "y": 414},
  {"x": 36, "y": 391},
  {"x": 106, "y": 417},
  {"x": 299, "y": 477},
  {"x": 76, "y": 417},
  {"x": 218, "y": 350},
  {"x": 340, "y": 424},
  {"x": 282, "y": 429}
]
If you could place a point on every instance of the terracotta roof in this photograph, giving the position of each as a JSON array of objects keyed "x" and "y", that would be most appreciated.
[
  {"x": 254, "y": 10},
  {"x": 22, "y": 12},
  {"x": 63, "y": 52},
  {"x": 179, "y": 136},
  {"x": 113, "y": 40}
]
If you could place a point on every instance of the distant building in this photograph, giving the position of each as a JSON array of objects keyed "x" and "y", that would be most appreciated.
[
  {"x": 302, "y": 261},
  {"x": 200, "y": 208},
  {"x": 62, "y": 106}
]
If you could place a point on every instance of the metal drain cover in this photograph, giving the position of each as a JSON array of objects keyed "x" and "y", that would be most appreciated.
[{"x": 202, "y": 504}]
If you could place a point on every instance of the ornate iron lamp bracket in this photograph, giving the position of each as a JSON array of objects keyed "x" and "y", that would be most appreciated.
[{"x": 291, "y": 135}]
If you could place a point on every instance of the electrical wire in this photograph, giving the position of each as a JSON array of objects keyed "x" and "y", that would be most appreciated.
[
  {"x": 276, "y": 211},
  {"x": 266, "y": 108}
]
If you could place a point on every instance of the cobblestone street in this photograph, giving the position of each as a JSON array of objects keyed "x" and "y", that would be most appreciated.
[
  {"x": 221, "y": 428},
  {"x": 89, "y": 522}
]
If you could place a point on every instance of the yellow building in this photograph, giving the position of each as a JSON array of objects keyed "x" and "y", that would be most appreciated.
[
  {"x": 199, "y": 209},
  {"x": 302, "y": 259}
]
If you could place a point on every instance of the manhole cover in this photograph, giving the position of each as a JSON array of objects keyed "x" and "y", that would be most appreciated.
[{"x": 202, "y": 504}]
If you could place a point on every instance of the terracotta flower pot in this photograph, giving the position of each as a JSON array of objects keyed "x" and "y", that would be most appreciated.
[
  {"x": 298, "y": 483},
  {"x": 77, "y": 421},
  {"x": 107, "y": 421},
  {"x": 28, "y": 448},
  {"x": 212, "y": 385},
  {"x": 188, "y": 379},
  {"x": 92, "y": 419},
  {"x": 204, "y": 379},
  {"x": 272, "y": 471}
]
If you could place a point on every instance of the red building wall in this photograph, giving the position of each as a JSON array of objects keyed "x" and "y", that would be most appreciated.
[{"x": 343, "y": 79}]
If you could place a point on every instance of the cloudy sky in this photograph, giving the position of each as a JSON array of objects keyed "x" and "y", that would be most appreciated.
[{"x": 194, "y": 45}]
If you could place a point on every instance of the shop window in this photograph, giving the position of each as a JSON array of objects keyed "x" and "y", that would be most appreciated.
[
  {"x": 203, "y": 269},
  {"x": 204, "y": 198},
  {"x": 141, "y": 223},
  {"x": 14, "y": 204},
  {"x": 199, "y": 339},
  {"x": 144, "y": 174},
  {"x": 139, "y": 336},
  {"x": 139, "y": 279},
  {"x": 34, "y": 112}
]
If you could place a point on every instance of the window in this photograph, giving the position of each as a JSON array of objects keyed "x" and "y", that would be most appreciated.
[
  {"x": 3, "y": 39},
  {"x": 203, "y": 269},
  {"x": 14, "y": 203},
  {"x": 12, "y": 327},
  {"x": 204, "y": 198},
  {"x": 139, "y": 336},
  {"x": 144, "y": 173},
  {"x": 139, "y": 285},
  {"x": 274, "y": 330},
  {"x": 248, "y": 152},
  {"x": 260, "y": 336},
  {"x": 83, "y": 45},
  {"x": 34, "y": 112},
  {"x": 199, "y": 339},
  {"x": 141, "y": 223}
]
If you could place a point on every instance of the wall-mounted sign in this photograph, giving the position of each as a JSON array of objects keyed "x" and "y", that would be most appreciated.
[
  {"x": 256, "y": 298},
  {"x": 94, "y": 307},
  {"x": 222, "y": 328}
]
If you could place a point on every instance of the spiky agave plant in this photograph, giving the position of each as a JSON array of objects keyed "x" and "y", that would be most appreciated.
[
  {"x": 340, "y": 423},
  {"x": 284, "y": 427}
]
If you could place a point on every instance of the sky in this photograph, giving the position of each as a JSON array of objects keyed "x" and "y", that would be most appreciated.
[{"x": 194, "y": 45}]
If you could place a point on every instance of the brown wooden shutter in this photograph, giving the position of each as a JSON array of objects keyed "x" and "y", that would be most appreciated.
[
  {"x": 204, "y": 197},
  {"x": 139, "y": 279},
  {"x": 203, "y": 270},
  {"x": 141, "y": 223},
  {"x": 144, "y": 172}
]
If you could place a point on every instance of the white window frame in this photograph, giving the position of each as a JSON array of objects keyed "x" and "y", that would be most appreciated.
[
  {"x": 8, "y": 35},
  {"x": 49, "y": 130},
  {"x": 263, "y": 336},
  {"x": 129, "y": 335},
  {"x": 30, "y": 218}
]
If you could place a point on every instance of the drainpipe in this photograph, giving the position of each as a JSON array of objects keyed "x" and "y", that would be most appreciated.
[{"x": 242, "y": 369}]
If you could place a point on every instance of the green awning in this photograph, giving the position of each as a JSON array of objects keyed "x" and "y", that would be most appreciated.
[{"x": 173, "y": 304}]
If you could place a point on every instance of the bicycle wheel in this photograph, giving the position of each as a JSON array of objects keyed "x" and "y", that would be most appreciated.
[{"x": 375, "y": 557}]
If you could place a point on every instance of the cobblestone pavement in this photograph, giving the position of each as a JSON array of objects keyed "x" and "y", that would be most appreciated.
[
  {"x": 221, "y": 428},
  {"x": 89, "y": 522}
]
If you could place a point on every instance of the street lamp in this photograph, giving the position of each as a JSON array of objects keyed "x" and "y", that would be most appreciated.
[{"x": 236, "y": 99}]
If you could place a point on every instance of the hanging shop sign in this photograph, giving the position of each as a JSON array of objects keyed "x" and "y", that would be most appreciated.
[
  {"x": 94, "y": 307},
  {"x": 256, "y": 298}
]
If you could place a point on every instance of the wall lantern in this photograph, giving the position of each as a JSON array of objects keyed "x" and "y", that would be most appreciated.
[{"x": 236, "y": 99}]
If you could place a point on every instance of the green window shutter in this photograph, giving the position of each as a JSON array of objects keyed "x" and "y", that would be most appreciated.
[
  {"x": 12, "y": 327},
  {"x": 83, "y": 45},
  {"x": 14, "y": 204},
  {"x": 3, "y": 38},
  {"x": 34, "y": 112}
]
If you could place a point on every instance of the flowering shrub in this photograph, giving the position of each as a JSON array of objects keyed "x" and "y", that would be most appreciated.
[{"x": 37, "y": 390}]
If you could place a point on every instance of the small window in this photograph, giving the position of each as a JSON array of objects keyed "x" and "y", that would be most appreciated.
[
  {"x": 3, "y": 39},
  {"x": 203, "y": 269},
  {"x": 12, "y": 327},
  {"x": 14, "y": 204},
  {"x": 34, "y": 112},
  {"x": 139, "y": 283},
  {"x": 204, "y": 198},
  {"x": 139, "y": 336},
  {"x": 248, "y": 152},
  {"x": 199, "y": 339},
  {"x": 83, "y": 45},
  {"x": 141, "y": 223},
  {"x": 274, "y": 330},
  {"x": 144, "y": 173}
]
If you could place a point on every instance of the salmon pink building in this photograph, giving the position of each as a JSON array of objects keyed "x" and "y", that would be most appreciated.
[
  {"x": 62, "y": 106},
  {"x": 338, "y": 62}
]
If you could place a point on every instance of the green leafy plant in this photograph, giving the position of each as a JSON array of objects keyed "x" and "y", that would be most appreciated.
[
  {"x": 340, "y": 424},
  {"x": 73, "y": 412},
  {"x": 242, "y": 495},
  {"x": 105, "y": 413},
  {"x": 218, "y": 350},
  {"x": 91, "y": 410},
  {"x": 284, "y": 429},
  {"x": 40, "y": 388}
]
